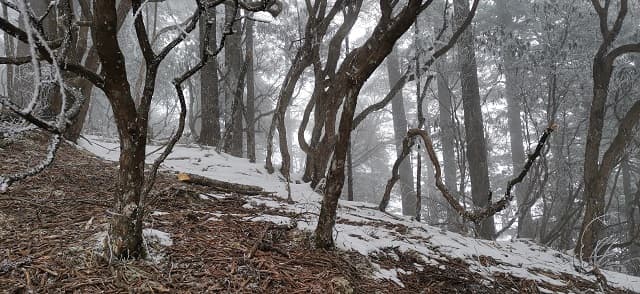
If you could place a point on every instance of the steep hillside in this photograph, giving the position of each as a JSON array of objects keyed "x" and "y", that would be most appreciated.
[{"x": 211, "y": 239}]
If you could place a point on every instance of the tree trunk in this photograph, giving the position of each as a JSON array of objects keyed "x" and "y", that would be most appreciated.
[
  {"x": 209, "y": 92},
  {"x": 251, "y": 95},
  {"x": 355, "y": 69},
  {"x": 8, "y": 51},
  {"x": 400, "y": 130},
  {"x": 473, "y": 122},
  {"x": 233, "y": 62},
  {"x": 526, "y": 227},
  {"x": 125, "y": 232},
  {"x": 92, "y": 62},
  {"x": 447, "y": 136}
]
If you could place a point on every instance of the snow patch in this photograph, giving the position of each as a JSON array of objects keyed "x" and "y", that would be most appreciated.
[
  {"x": 362, "y": 228},
  {"x": 276, "y": 219},
  {"x": 153, "y": 235},
  {"x": 386, "y": 274}
]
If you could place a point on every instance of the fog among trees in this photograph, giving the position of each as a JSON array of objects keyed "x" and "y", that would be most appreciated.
[{"x": 498, "y": 120}]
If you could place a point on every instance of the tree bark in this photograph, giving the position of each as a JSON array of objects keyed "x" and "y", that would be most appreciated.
[
  {"x": 125, "y": 231},
  {"x": 251, "y": 95},
  {"x": 92, "y": 62},
  {"x": 209, "y": 92},
  {"x": 596, "y": 170},
  {"x": 447, "y": 135},
  {"x": 399, "y": 131},
  {"x": 233, "y": 63},
  {"x": 357, "y": 66},
  {"x": 473, "y": 122}
]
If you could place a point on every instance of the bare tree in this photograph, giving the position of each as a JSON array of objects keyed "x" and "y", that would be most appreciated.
[
  {"x": 597, "y": 169},
  {"x": 125, "y": 233}
]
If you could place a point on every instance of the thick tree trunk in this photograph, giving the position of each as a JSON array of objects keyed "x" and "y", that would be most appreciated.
[
  {"x": 526, "y": 227},
  {"x": 473, "y": 122},
  {"x": 233, "y": 63},
  {"x": 251, "y": 95},
  {"x": 400, "y": 129},
  {"x": 209, "y": 92},
  {"x": 125, "y": 232}
]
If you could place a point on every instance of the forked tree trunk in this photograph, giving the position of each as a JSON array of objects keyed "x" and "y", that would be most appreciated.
[
  {"x": 357, "y": 66},
  {"x": 92, "y": 62},
  {"x": 125, "y": 232}
]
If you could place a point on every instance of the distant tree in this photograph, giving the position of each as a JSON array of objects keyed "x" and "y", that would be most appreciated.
[
  {"x": 399, "y": 130},
  {"x": 473, "y": 122}
]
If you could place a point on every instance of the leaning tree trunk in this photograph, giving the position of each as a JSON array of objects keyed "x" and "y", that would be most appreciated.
[{"x": 473, "y": 122}]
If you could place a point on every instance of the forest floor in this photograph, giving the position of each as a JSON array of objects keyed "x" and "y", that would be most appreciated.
[{"x": 50, "y": 226}]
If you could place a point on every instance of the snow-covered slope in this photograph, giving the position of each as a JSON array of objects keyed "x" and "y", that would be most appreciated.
[{"x": 361, "y": 227}]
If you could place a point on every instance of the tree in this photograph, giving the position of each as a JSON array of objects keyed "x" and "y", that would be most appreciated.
[
  {"x": 233, "y": 78},
  {"x": 512, "y": 79},
  {"x": 357, "y": 66},
  {"x": 597, "y": 169},
  {"x": 125, "y": 232},
  {"x": 209, "y": 93},
  {"x": 473, "y": 122},
  {"x": 399, "y": 130},
  {"x": 251, "y": 94}
]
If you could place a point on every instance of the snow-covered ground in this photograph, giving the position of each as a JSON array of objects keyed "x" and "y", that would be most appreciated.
[{"x": 362, "y": 228}]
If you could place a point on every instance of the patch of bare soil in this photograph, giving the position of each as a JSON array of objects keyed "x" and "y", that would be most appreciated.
[{"x": 49, "y": 226}]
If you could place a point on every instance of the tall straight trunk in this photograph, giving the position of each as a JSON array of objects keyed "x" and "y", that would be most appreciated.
[
  {"x": 473, "y": 122},
  {"x": 233, "y": 63},
  {"x": 526, "y": 227},
  {"x": 447, "y": 135},
  {"x": 399, "y": 131},
  {"x": 251, "y": 95},
  {"x": 8, "y": 51},
  {"x": 209, "y": 92}
]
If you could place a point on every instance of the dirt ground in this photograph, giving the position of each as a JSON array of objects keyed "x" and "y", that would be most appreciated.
[{"x": 49, "y": 226}]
